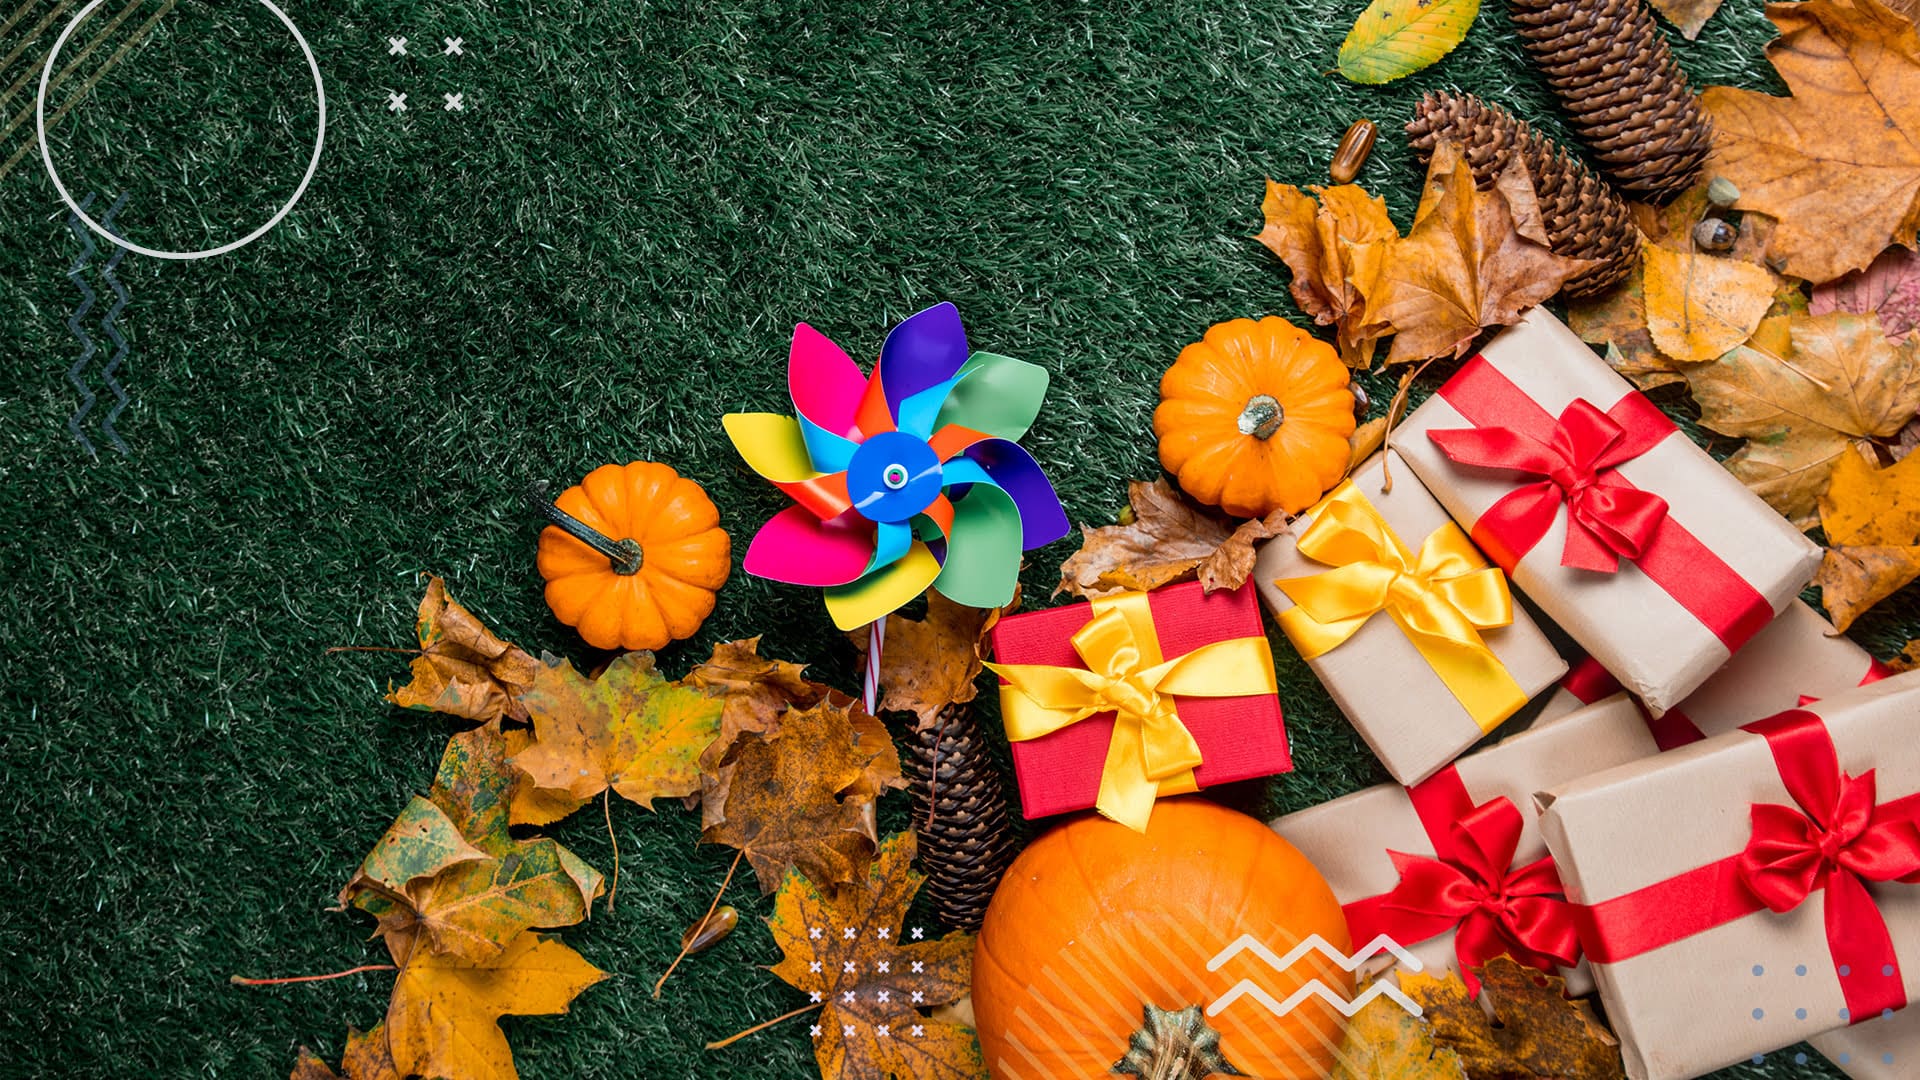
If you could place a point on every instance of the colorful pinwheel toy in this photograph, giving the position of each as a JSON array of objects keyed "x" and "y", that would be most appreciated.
[{"x": 906, "y": 478}]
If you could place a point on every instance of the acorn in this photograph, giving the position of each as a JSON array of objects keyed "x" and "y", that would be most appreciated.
[
  {"x": 1355, "y": 146},
  {"x": 1715, "y": 236}
]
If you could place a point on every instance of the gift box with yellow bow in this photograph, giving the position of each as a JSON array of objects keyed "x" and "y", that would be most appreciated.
[
  {"x": 1412, "y": 631},
  {"x": 1113, "y": 703}
]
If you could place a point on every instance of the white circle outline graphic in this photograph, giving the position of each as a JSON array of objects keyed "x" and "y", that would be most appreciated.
[{"x": 46, "y": 156}]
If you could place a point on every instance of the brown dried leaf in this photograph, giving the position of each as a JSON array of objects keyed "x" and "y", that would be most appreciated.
[
  {"x": 1366, "y": 441},
  {"x": 1837, "y": 381},
  {"x": 756, "y": 691},
  {"x": 1170, "y": 539},
  {"x": 801, "y": 796},
  {"x": 1838, "y": 163},
  {"x": 1618, "y": 320},
  {"x": 1473, "y": 259},
  {"x": 1872, "y": 520},
  {"x": 463, "y": 669},
  {"x": 928, "y": 664},
  {"x": 1890, "y": 288},
  {"x": 1688, "y": 15},
  {"x": 1535, "y": 1031},
  {"x": 1908, "y": 659},
  {"x": 875, "y": 986},
  {"x": 1316, "y": 241}
]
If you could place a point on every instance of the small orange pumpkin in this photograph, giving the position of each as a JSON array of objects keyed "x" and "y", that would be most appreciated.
[
  {"x": 1096, "y": 945},
  {"x": 1255, "y": 418},
  {"x": 634, "y": 556}
]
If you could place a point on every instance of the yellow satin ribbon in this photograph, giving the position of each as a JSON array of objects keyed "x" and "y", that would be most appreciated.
[
  {"x": 1151, "y": 753},
  {"x": 1441, "y": 600}
]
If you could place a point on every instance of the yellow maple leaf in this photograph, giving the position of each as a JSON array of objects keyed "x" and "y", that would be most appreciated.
[
  {"x": 1872, "y": 521},
  {"x": 629, "y": 730},
  {"x": 1699, "y": 306},
  {"x": 443, "y": 1019}
]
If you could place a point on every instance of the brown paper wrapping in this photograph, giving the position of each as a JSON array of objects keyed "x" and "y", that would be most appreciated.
[
  {"x": 1656, "y": 648},
  {"x": 1349, "y": 837},
  {"x": 1880, "y": 1049},
  {"x": 1793, "y": 656},
  {"x": 1385, "y": 687},
  {"x": 1729, "y": 993}
]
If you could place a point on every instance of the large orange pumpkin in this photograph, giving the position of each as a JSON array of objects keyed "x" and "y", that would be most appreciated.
[
  {"x": 643, "y": 570},
  {"x": 1095, "y": 952},
  {"x": 1254, "y": 417}
]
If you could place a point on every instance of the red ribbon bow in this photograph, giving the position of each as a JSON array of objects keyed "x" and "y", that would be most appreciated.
[
  {"x": 1835, "y": 839},
  {"x": 1607, "y": 518},
  {"x": 1474, "y": 890}
]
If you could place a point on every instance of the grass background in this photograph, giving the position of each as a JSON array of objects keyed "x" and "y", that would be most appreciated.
[{"x": 604, "y": 251}]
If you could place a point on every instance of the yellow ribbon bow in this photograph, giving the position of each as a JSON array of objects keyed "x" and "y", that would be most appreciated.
[
  {"x": 1151, "y": 752},
  {"x": 1441, "y": 600}
]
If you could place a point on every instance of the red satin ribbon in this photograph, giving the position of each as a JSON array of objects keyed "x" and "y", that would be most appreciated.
[
  {"x": 1589, "y": 682},
  {"x": 1471, "y": 887},
  {"x": 1835, "y": 839},
  {"x": 1576, "y": 457}
]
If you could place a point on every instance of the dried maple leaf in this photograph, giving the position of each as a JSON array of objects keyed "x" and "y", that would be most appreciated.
[
  {"x": 1688, "y": 15},
  {"x": 1169, "y": 540},
  {"x": 628, "y": 730},
  {"x": 532, "y": 804},
  {"x": 1889, "y": 288},
  {"x": 444, "y": 1017},
  {"x": 448, "y": 879},
  {"x": 1473, "y": 259},
  {"x": 1384, "y": 1041},
  {"x": 1699, "y": 306},
  {"x": 1315, "y": 240},
  {"x": 1803, "y": 391},
  {"x": 1872, "y": 521},
  {"x": 1366, "y": 441},
  {"x": 1838, "y": 163},
  {"x": 367, "y": 1057},
  {"x": 754, "y": 689},
  {"x": 801, "y": 796},
  {"x": 1535, "y": 1031},
  {"x": 930, "y": 663},
  {"x": 1908, "y": 659},
  {"x": 846, "y": 950},
  {"x": 463, "y": 669}
]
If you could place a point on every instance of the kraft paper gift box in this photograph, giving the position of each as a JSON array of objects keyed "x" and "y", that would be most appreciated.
[
  {"x": 1110, "y": 703},
  {"x": 1880, "y": 1049},
  {"x": 1743, "y": 893},
  {"x": 1794, "y": 658},
  {"x": 1639, "y": 545},
  {"x": 1410, "y": 629},
  {"x": 1362, "y": 842}
]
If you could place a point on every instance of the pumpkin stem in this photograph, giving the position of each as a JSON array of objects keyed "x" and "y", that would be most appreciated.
[
  {"x": 624, "y": 554},
  {"x": 1174, "y": 1045},
  {"x": 1262, "y": 416}
]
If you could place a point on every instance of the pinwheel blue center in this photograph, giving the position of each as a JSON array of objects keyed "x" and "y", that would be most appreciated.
[{"x": 893, "y": 476}]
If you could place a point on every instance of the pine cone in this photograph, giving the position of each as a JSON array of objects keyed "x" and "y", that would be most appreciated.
[
  {"x": 966, "y": 841},
  {"x": 1625, "y": 96},
  {"x": 1583, "y": 217}
]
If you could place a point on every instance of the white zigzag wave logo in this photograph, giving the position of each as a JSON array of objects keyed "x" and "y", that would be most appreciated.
[{"x": 1314, "y": 987}]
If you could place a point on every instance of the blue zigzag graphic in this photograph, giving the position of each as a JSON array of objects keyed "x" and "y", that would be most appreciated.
[
  {"x": 113, "y": 331},
  {"x": 77, "y": 373}
]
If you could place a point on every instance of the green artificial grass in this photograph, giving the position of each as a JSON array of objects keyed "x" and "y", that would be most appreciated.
[{"x": 601, "y": 254}]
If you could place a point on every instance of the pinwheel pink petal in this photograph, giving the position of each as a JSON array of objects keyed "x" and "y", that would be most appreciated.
[{"x": 800, "y": 549}]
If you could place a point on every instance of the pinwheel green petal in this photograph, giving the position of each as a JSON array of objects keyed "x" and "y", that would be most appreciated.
[
  {"x": 983, "y": 558},
  {"x": 996, "y": 395}
]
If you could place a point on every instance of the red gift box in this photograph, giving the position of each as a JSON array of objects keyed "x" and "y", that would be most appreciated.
[{"x": 1239, "y": 737}]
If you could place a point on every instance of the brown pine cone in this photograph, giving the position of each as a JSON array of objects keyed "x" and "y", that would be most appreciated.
[
  {"x": 1624, "y": 94},
  {"x": 960, "y": 816},
  {"x": 1583, "y": 217}
]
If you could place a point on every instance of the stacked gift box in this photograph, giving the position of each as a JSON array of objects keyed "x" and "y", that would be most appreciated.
[{"x": 1711, "y": 817}]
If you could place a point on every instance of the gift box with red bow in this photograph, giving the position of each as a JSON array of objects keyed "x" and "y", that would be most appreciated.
[
  {"x": 1754, "y": 889},
  {"x": 1795, "y": 659},
  {"x": 1112, "y": 703},
  {"x": 1414, "y": 634},
  {"x": 1453, "y": 870},
  {"x": 1643, "y": 548}
]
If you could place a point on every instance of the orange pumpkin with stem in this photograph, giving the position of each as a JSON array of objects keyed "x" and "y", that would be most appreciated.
[
  {"x": 1255, "y": 418},
  {"x": 633, "y": 557},
  {"x": 1095, "y": 951}
]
